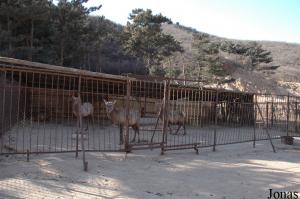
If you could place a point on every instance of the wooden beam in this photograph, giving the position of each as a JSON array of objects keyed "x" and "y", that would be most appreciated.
[{"x": 55, "y": 68}]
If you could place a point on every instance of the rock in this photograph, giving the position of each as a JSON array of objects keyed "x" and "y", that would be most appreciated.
[{"x": 159, "y": 194}]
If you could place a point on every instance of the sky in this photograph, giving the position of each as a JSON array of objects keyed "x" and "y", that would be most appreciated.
[{"x": 275, "y": 20}]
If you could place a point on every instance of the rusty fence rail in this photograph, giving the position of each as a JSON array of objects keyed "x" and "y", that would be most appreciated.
[{"x": 37, "y": 113}]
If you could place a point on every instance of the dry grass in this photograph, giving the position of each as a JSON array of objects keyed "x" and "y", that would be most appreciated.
[{"x": 285, "y": 55}]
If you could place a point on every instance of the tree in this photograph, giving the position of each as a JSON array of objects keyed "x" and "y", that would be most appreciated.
[
  {"x": 157, "y": 70},
  {"x": 252, "y": 50},
  {"x": 234, "y": 47},
  {"x": 64, "y": 33},
  {"x": 103, "y": 50},
  {"x": 145, "y": 39},
  {"x": 33, "y": 12},
  {"x": 208, "y": 59},
  {"x": 70, "y": 18},
  {"x": 6, "y": 16},
  {"x": 9, "y": 17},
  {"x": 22, "y": 19},
  {"x": 172, "y": 72},
  {"x": 257, "y": 54}
]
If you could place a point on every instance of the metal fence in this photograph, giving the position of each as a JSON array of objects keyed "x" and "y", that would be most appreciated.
[{"x": 38, "y": 114}]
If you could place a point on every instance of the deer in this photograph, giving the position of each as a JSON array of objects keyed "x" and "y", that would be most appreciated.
[
  {"x": 175, "y": 117},
  {"x": 82, "y": 110},
  {"x": 118, "y": 117}
]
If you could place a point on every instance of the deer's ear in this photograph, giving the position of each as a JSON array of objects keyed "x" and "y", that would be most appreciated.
[
  {"x": 73, "y": 97},
  {"x": 105, "y": 102},
  {"x": 114, "y": 102}
]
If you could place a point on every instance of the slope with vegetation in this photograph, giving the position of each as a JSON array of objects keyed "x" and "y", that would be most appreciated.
[
  {"x": 64, "y": 33},
  {"x": 260, "y": 66}
]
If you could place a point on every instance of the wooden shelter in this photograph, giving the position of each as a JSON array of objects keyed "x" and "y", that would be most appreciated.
[{"x": 47, "y": 89}]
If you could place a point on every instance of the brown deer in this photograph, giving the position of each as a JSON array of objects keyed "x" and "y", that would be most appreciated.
[
  {"x": 83, "y": 110},
  {"x": 118, "y": 117},
  {"x": 175, "y": 117}
]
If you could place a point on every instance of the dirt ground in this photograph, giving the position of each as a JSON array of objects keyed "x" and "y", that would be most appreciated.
[
  {"x": 233, "y": 171},
  {"x": 52, "y": 137}
]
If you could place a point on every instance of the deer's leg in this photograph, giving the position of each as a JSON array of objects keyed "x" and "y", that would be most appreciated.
[
  {"x": 154, "y": 129},
  {"x": 136, "y": 131},
  {"x": 184, "y": 131},
  {"x": 169, "y": 125},
  {"x": 87, "y": 123},
  {"x": 93, "y": 122},
  {"x": 179, "y": 126},
  {"x": 121, "y": 134},
  {"x": 134, "y": 128}
]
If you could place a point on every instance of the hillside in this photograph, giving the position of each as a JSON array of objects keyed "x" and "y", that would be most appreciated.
[
  {"x": 98, "y": 44},
  {"x": 287, "y": 56},
  {"x": 283, "y": 80}
]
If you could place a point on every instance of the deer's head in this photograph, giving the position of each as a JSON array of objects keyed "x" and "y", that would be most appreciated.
[
  {"x": 75, "y": 100},
  {"x": 109, "y": 105}
]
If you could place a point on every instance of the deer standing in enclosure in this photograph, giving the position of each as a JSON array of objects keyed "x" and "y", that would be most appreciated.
[
  {"x": 118, "y": 117},
  {"x": 85, "y": 110},
  {"x": 174, "y": 117}
]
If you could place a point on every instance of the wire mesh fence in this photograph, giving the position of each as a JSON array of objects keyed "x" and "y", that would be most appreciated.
[{"x": 38, "y": 112}]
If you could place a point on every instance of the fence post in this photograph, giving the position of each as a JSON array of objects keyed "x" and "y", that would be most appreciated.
[
  {"x": 78, "y": 121},
  {"x": 27, "y": 155},
  {"x": 267, "y": 115},
  {"x": 254, "y": 121},
  {"x": 165, "y": 115},
  {"x": 201, "y": 107},
  {"x": 296, "y": 116},
  {"x": 80, "y": 130},
  {"x": 216, "y": 121},
  {"x": 85, "y": 163},
  {"x": 267, "y": 127},
  {"x": 127, "y": 147},
  {"x": 288, "y": 115},
  {"x": 272, "y": 111}
]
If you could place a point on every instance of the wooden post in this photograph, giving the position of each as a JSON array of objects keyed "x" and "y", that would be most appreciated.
[
  {"x": 145, "y": 104},
  {"x": 267, "y": 115},
  {"x": 201, "y": 107},
  {"x": 127, "y": 147},
  {"x": 216, "y": 121},
  {"x": 27, "y": 155},
  {"x": 80, "y": 131},
  {"x": 267, "y": 127},
  {"x": 254, "y": 122},
  {"x": 85, "y": 164},
  {"x": 165, "y": 115},
  {"x": 288, "y": 115},
  {"x": 78, "y": 120},
  {"x": 296, "y": 116},
  {"x": 272, "y": 111}
]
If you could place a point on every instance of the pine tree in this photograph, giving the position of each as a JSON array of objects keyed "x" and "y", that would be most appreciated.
[
  {"x": 8, "y": 12},
  {"x": 208, "y": 59},
  {"x": 145, "y": 39},
  {"x": 257, "y": 54},
  {"x": 252, "y": 50},
  {"x": 69, "y": 19}
]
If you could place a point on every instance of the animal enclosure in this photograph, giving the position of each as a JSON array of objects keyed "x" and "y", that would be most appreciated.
[{"x": 37, "y": 116}]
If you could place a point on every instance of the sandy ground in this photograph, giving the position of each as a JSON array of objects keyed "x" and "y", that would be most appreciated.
[
  {"x": 52, "y": 137},
  {"x": 233, "y": 171}
]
